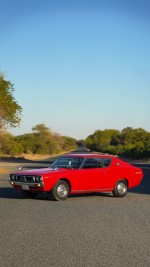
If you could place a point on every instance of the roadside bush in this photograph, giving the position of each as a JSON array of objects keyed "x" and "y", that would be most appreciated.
[
  {"x": 44, "y": 141},
  {"x": 9, "y": 146},
  {"x": 131, "y": 143}
]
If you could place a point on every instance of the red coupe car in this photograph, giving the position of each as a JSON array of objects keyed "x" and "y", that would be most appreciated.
[{"x": 79, "y": 173}]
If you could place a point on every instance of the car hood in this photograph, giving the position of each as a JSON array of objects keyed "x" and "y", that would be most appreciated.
[{"x": 42, "y": 171}]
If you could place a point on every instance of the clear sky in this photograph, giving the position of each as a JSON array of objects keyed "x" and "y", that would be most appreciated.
[{"x": 78, "y": 66}]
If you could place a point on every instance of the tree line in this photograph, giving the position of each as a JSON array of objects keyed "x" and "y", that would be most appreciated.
[
  {"x": 128, "y": 143},
  {"x": 40, "y": 141},
  {"x": 131, "y": 143}
]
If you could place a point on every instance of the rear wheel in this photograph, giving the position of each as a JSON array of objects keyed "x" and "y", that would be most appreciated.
[
  {"x": 28, "y": 194},
  {"x": 60, "y": 190},
  {"x": 120, "y": 189}
]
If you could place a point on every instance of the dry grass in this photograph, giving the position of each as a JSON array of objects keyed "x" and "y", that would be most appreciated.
[{"x": 3, "y": 170}]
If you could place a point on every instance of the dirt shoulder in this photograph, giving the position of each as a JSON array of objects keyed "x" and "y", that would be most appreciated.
[{"x": 9, "y": 164}]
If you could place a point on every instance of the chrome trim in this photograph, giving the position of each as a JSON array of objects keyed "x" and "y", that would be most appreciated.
[
  {"x": 26, "y": 178},
  {"x": 29, "y": 184},
  {"x": 94, "y": 190}
]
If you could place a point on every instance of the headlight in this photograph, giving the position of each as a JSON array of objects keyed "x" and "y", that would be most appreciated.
[
  {"x": 41, "y": 179},
  {"x": 12, "y": 177},
  {"x": 38, "y": 179}
]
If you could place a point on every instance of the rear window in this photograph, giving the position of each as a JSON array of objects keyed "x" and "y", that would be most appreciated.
[
  {"x": 107, "y": 162},
  {"x": 93, "y": 163},
  {"x": 96, "y": 163}
]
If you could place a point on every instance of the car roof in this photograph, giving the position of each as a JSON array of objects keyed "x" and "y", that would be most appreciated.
[{"x": 88, "y": 155}]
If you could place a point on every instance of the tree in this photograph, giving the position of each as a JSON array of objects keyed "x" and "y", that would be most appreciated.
[
  {"x": 9, "y": 145},
  {"x": 101, "y": 140},
  {"x": 69, "y": 143},
  {"x": 10, "y": 111},
  {"x": 44, "y": 141}
]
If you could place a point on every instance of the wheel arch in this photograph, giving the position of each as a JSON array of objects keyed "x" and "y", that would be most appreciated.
[
  {"x": 126, "y": 180},
  {"x": 122, "y": 179}
]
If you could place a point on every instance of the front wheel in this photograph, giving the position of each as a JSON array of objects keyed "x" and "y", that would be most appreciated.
[
  {"x": 60, "y": 190},
  {"x": 120, "y": 189}
]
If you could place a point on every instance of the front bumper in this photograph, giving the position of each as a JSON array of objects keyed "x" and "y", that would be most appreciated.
[{"x": 31, "y": 186}]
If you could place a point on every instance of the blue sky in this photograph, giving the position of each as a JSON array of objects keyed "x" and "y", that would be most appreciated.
[{"x": 78, "y": 66}]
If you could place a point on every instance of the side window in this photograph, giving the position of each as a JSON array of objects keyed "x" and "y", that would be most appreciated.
[
  {"x": 92, "y": 163},
  {"x": 107, "y": 162}
]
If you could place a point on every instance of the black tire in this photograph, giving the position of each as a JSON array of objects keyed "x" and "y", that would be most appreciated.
[
  {"x": 120, "y": 189},
  {"x": 60, "y": 190},
  {"x": 28, "y": 194}
]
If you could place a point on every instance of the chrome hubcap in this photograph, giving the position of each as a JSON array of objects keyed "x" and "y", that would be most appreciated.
[
  {"x": 62, "y": 190},
  {"x": 121, "y": 187}
]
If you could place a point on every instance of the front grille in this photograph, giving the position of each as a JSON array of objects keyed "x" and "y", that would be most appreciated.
[{"x": 24, "y": 178}]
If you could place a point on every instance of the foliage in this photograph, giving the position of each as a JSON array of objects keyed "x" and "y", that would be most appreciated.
[
  {"x": 133, "y": 143},
  {"x": 101, "y": 140},
  {"x": 44, "y": 141},
  {"x": 69, "y": 143},
  {"x": 10, "y": 111},
  {"x": 8, "y": 145},
  {"x": 129, "y": 142}
]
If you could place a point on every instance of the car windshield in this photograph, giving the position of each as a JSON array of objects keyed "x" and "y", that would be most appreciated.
[{"x": 68, "y": 162}]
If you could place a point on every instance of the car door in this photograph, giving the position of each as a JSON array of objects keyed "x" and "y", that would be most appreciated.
[{"x": 92, "y": 175}]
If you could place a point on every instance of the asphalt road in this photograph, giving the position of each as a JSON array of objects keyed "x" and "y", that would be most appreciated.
[{"x": 92, "y": 230}]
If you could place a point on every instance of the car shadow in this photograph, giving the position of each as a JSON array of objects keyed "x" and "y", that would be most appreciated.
[
  {"x": 91, "y": 194},
  {"x": 144, "y": 186},
  {"x": 7, "y": 192},
  {"x": 12, "y": 193}
]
